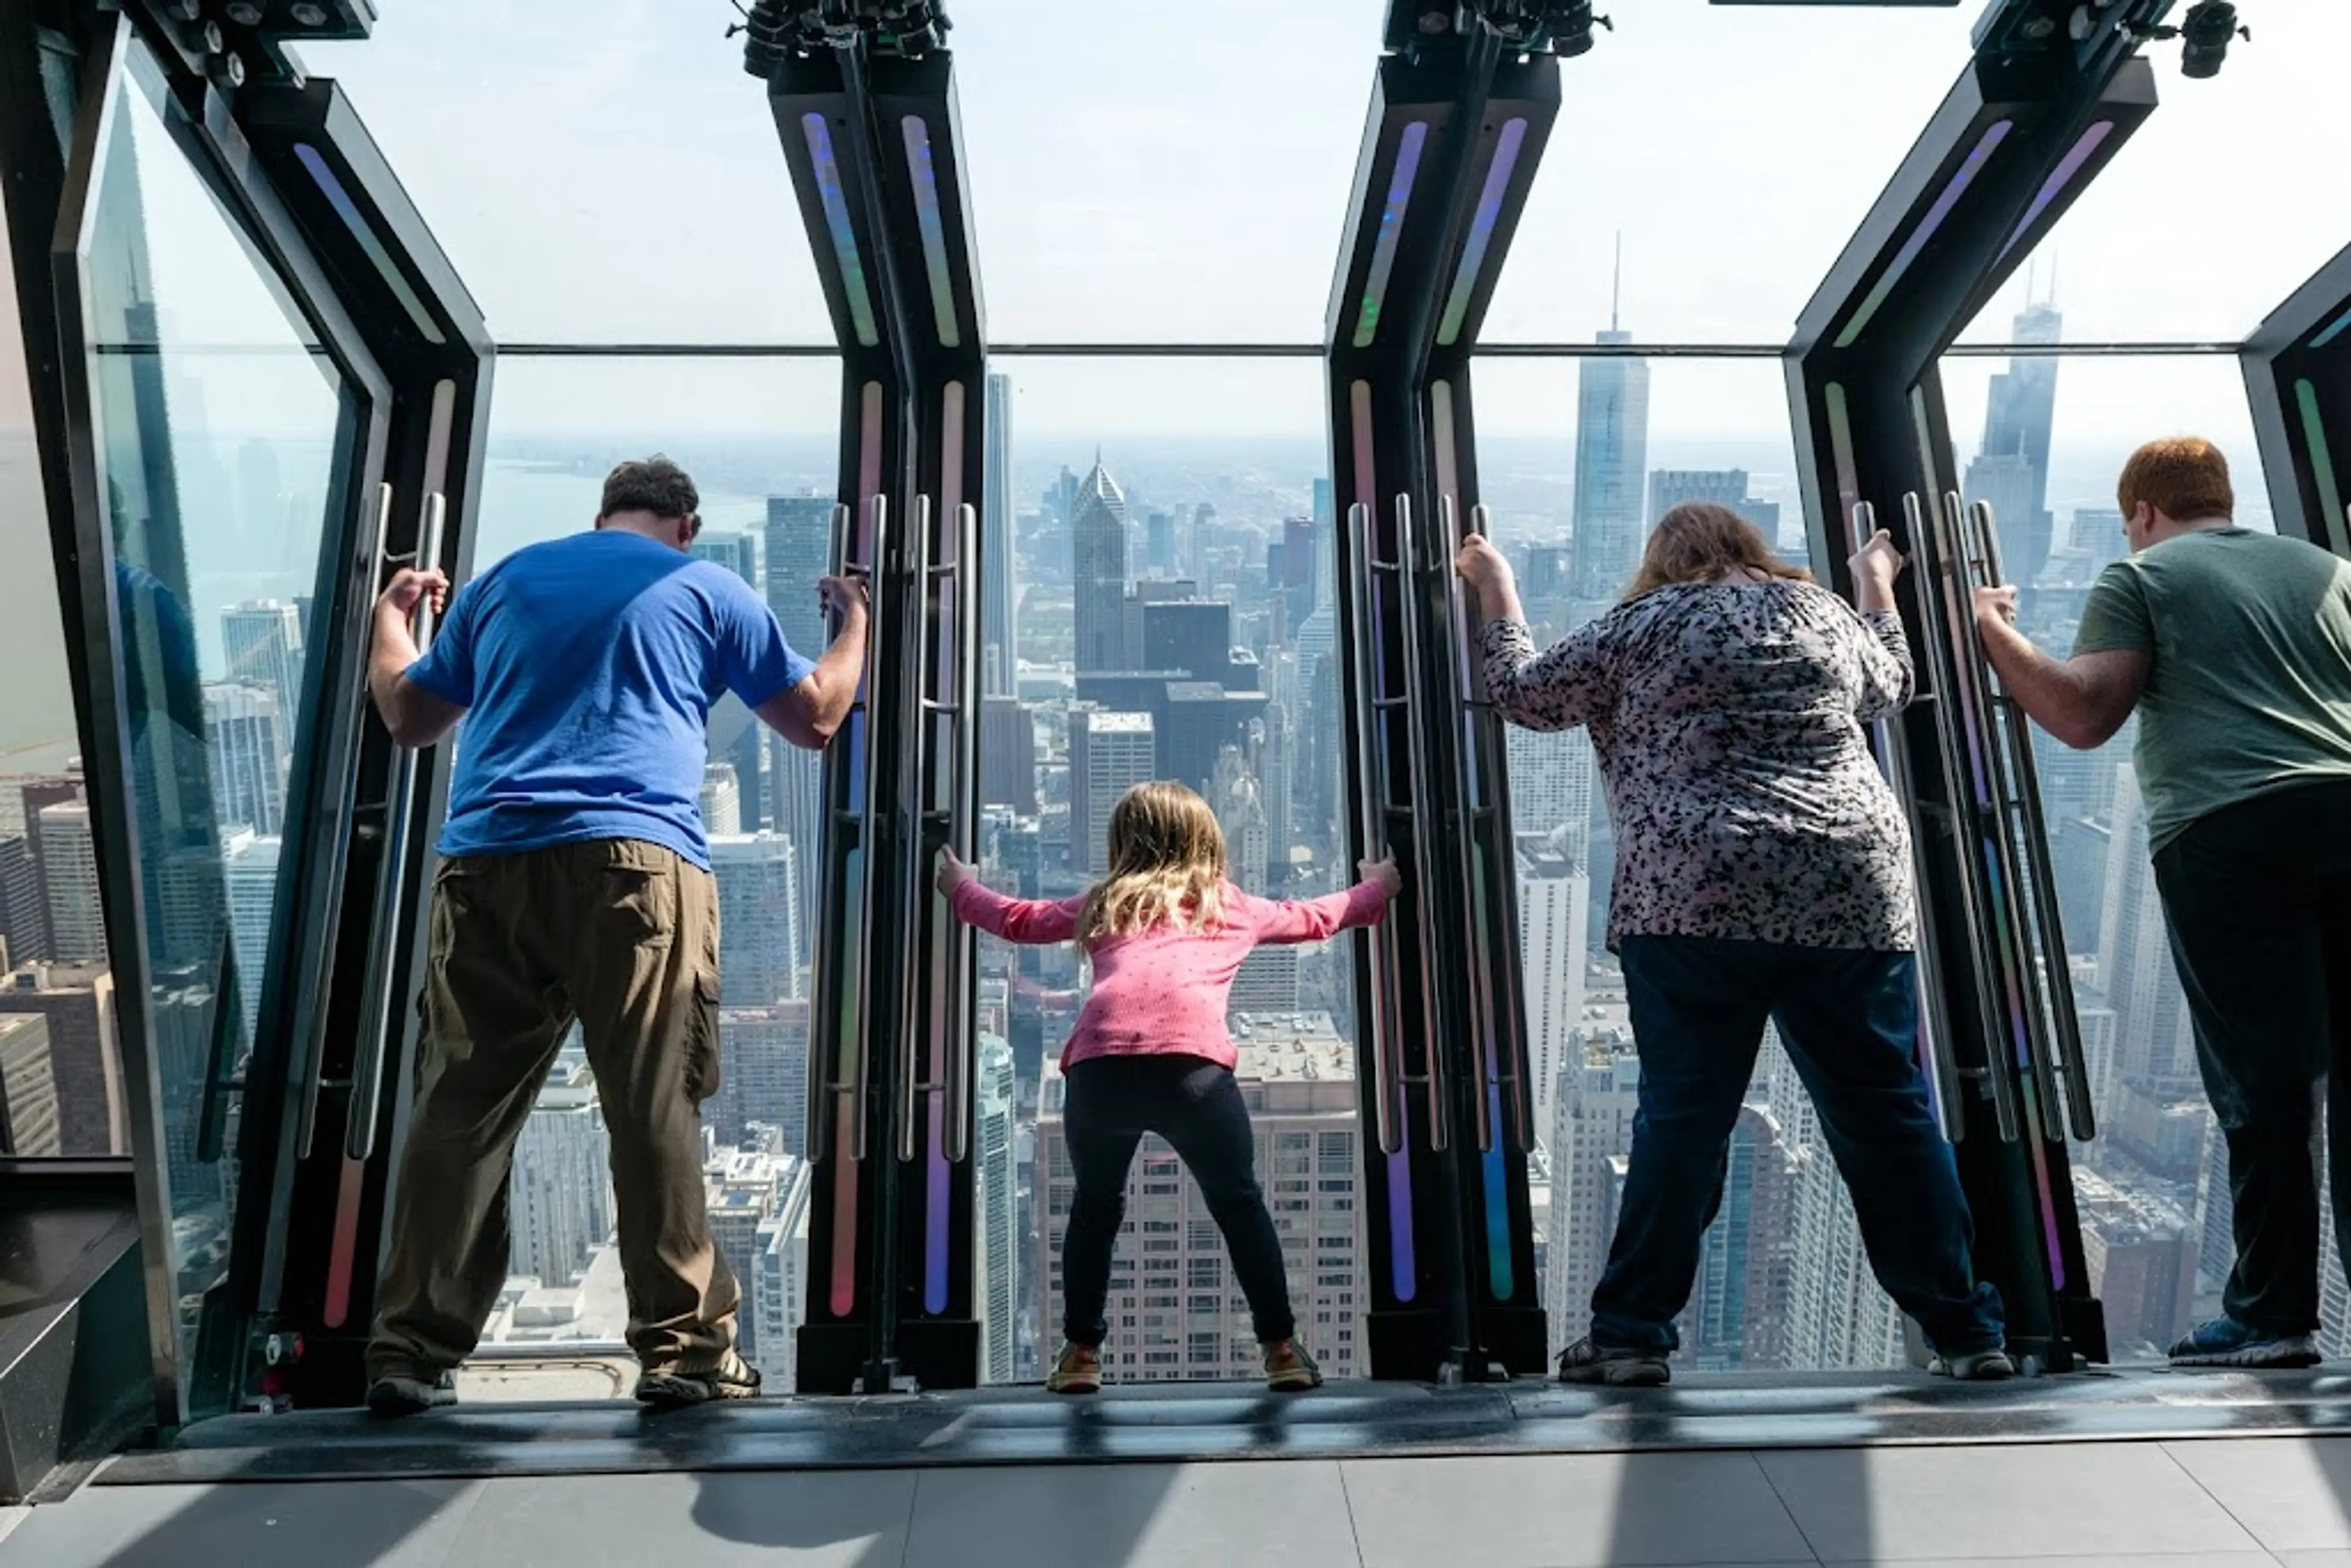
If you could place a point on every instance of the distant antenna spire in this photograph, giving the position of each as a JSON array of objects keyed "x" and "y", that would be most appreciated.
[
  {"x": 2030, "y": 265},
  {"x": 2053, "y": 277},
  {"x": 1616, "y": 287}
]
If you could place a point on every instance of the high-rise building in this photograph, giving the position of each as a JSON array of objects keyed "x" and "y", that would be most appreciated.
[
  {"x": 2011, "y": 469},
  {"x": 559, "y": 1196},
  {"x": 1726, "y": 488},
  {"x": 250, "y": 864},
  {"x": 1611, "y": 459},
  {"x": 34, "y": 795},
  {"x": 761, "y": 943},
  {"x": 995, "y": 1275},
  {"x": 24, "y": 914},
  {"x": 1098, "y": 572},
  {"x": 1175, "y": 1310},
  {"x": 738, "y": 551},
  {"x": 29, "y": 1115},
  {"x": 799, "y": 553},
  {"x": 1110, "y": 753},
  {"x": 763, "y": 1074},
  {"x": 776, "y": 1290},
  {"x": 69, "y": 878},
  {"x": 2155, "y": 1041},
  {"x": 262, "y": 640},
  {"x": 745, "y": 1190},
  {"x": 999, "y": 590},
  {"x": 247, "y": 746},
  {"x": 1737, "y": 1317},
  {"x": 1555, "y": 942},
  {"x": 2141, "y": 1255},
  {"x": 1591, "y": 1126},
  {"x": 76, "y": 1003},
  {"x": 1007, "y": 754},
  {"x": 721, "y": 802},
  {"x": 1554, "y": 782}
]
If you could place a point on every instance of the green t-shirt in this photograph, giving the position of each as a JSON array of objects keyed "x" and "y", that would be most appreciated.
[{"x": 2251, "y": 687}]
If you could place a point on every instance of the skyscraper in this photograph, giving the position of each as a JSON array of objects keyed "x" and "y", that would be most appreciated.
[
  {"x": 800, "y": 551},
  {"x": 2012, "y": 470},
  {"x": 29, "y": 1125},
  {"x": 761, "y": 943},
  {"x": 70, "y": 877},
  {"x": 763, "y": 1074},
  {"x": 1671, "y": 488},
  {"x": 1554, "y": 939},
  {"x": 559, "y": 1196},
  {"x": 999, "y": 635},
  {"x": 776, "y": 1290},
  {"x": 76, "y": 1002},
  {"x": 996, "y": 1283},
  {"x": 1110, "y": 753},
  {"x": 722, "y": 801},
  {"x": 247, "y": 743},
  {"x": 737, "y": 551},
  {"x": 250, "y": 864},
  {"x": 262, "y": 640},
  {"x": 1590, "y": 1131},
  {"x": 24, "y": 915},
  {"x": 1098, "y": 572},
  {"x": 1612, "y": 456}
]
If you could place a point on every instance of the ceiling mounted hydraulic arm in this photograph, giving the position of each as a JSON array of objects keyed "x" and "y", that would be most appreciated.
[
  {"x": 2297, "y": 368},
  {"x": 1454, "y": 138},
  {"x": 2031, "y": 122},
  {"x": 864, "y": 105}
]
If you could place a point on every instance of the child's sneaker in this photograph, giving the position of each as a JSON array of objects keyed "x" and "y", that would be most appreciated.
[
  {"x": 1585, "y": 1362},
  {"x": 1078, "y": 1371},
  {"x": 2225, "y": 1341},
  {"x": 1290, "y": 1370}
]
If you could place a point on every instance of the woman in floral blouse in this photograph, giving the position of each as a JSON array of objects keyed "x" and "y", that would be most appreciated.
[{"x": 1762, "y": 874}]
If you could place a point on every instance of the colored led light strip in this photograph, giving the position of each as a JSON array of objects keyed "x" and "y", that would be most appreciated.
[
  {"x": 2059, "y": 178},
  {"x": 2322, "y": 459},
  {"x": 1384, "y": 250},
  {"x": 1502, "y": 1268},
  {"x": 1961, "y": 179},
  {"x": 1481, "y": 231},
  {"x": 836, "y": 218},
  {"x": 364, "y": 232},
  {"x": 935, "y": 233},
  {"x": 939, "y": 1209},
  {"x": 1848, "y": 476},
  {"x": 2341, "y": 324}
]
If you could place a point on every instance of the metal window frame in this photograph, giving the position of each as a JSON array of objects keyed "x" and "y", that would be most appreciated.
[{"x": 2297, "y": 368}]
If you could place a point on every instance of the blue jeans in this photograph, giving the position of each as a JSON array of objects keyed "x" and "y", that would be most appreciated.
[{"x": 1848, "y": 1019}]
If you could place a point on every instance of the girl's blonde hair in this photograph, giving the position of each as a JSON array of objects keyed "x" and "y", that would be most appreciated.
[
  {"x": 1166, "y": 866},
  {"x": 1697, "y": 543}
]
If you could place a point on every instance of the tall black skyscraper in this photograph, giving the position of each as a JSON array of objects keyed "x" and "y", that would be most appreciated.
[
  {"x": 998, "y": 640},
  {"x": 1098, "y": 572},
  {"x": 2011, "y": 471}
]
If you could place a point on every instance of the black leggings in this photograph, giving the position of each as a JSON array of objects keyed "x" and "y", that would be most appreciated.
[{"x": 1195, "y": 1106}]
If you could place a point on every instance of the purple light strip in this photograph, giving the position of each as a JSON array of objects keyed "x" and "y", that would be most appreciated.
[
  {"x": 1994, "y": 134},
  {"x": 1375, "y": 286},
  {"x": 2059, "y": 178},
  {"x": 1481, "y": 231}
]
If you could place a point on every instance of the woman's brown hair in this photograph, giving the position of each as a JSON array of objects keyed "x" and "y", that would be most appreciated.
[
  {"x": 1166, "y": 866},
  {"x": 1697, "y": 543}
]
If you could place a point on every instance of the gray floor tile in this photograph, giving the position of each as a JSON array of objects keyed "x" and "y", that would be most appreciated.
[
  {"x": 1914, "y": 1505},
  {"x": 329, "y": 1524},
  {"x": 10, "y": 1518},
  {"x": 2330, "y": 1557},
  {"x": 1568, "y": 1510},
  {"x": 2292, "y": 1493},
  {"x": 2140, "y": 1560},
  {"x": 835, "y": 1519},
  {"x": 1292, "y": 1514}
]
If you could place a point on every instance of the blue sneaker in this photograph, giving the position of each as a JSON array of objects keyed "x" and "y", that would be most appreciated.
[{"x": 2225, "y": 1341}]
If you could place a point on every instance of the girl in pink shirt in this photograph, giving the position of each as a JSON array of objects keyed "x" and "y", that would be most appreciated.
[{"x": 1165, "y": 933}]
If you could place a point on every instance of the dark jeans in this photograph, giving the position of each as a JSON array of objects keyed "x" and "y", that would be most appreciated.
[
  {"x": 2258, "y": 899},
  {"x": 1195, "y": 1106},
  {"x": 1848, "y": 1017}
]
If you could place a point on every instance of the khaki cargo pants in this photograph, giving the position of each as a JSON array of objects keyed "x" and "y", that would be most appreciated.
[{"x": 624, "y": 936}]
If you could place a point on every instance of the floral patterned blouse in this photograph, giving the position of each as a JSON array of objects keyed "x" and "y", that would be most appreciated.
[{"x": 1728, "y": 719}]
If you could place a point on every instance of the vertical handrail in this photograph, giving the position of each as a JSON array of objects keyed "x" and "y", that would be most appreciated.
[
  {"x": 313, "y": 1054},
  {"x": 1481, "y": 1019},
  {"x": 963, "y": 830},
  {"x": 1484, "y": 728},
  {"x": 1440, "y": 1133},
  {"x": 1372, "y": 809},
  {"x": 379, "y": 1017},
  {"x": 2023, "y": 820},
  {"x": 911, "y": 806},
  {"x": 1936, "y": 646},
  {"x": 2011, "y": 943},
  {"x": 1934, "y": 1018}
]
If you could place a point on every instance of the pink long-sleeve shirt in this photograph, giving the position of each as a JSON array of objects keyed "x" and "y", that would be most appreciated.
[{"x": 1163, "y": 992}]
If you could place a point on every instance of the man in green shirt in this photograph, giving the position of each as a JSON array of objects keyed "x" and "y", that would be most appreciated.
[{"x": 2234, "y": 649}]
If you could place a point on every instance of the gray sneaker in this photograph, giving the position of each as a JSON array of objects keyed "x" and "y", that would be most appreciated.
[
  {"x": 670, "y": 1389},
  {"x": 402, "y": 1394}
]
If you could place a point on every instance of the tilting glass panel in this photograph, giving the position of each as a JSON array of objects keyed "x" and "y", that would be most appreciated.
[
  {"x": 2153, "y": 1190},
  {"x": 1169, "y": 545},
  {"x": 224, "y": 442},
  {"x": 1578, "y": 459},
  {"x": 759, "y": 438}
]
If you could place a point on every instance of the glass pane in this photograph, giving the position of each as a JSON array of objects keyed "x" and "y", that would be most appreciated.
[
  {"x": 222, "y": 438},
  {"x": 602, "y": 172},
  {"x": 1578, "y": 460},
  {"x": 1120, "y": 171},
  {"x": 60, "y": 1081},
  {"x": 2153, "y": 1189},
  {"x": 1741, "y": 147},
  {"x": 2196, "y": 230},
  {"x": 1171, "y": 568},
  {"x": 759, "y": 437}
]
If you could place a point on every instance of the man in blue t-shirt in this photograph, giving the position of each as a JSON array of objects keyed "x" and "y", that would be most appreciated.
[{"x": 575, "y": 885}]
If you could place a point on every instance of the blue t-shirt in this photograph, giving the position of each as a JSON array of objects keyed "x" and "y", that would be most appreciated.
[{"x": 587, "y": 666}]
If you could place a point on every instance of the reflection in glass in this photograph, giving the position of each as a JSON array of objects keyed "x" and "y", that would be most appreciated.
[
  {"x": 223, "y": 432},
  {"x": 1579, "y": 459},
  {"x": 2152, "y": 1188}
]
